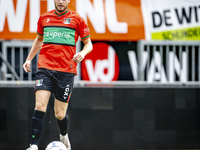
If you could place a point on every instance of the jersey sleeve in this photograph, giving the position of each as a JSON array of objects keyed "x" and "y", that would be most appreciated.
[
  {"x": 84, "y": 31},
  {"x": 39, "y": 27}
]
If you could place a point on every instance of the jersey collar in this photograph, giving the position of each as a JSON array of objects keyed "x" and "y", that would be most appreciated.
[{"x": 60, "y": 14}]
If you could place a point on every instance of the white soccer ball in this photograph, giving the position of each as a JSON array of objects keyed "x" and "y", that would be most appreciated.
[{"x": 56, "y": 145}]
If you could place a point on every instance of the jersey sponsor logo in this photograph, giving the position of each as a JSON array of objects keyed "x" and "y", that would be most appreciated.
[
  {"x": 101, "y": 64},
  {"x": 39, "y": 82},
  {"x": 56, "y": 34},
  {"x": 67, "y": 20},
  {"x": 59, "y": 35},
  {"x": 66, "y": 92}
]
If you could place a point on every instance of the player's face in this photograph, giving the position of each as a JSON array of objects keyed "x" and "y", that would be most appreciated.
[{"x": 61, "y": 5}]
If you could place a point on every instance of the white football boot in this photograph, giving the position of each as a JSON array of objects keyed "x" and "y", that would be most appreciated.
[
  {"x": 65, "y": 140},
  {"x": 32, "y": 147}
]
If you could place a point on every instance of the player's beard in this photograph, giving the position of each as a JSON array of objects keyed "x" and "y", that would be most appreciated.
[{"x": 60, "y": 10}]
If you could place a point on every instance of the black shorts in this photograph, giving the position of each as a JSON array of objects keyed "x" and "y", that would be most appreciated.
[{"x": 59, "y": 83}]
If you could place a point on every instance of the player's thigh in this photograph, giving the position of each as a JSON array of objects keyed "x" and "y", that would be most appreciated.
[
  {"x": 60, "y": 109},
  {"x": 42, "y": 99}
]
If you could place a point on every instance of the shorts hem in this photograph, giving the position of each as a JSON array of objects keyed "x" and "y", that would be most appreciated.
[
  {"x": 64, "y": 101},
  {"x": 43, "y": 89}
]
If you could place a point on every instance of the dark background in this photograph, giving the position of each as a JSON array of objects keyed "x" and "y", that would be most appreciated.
[
  {"x": 108, "y": 118},
  {"x": 121, "y": 49}
]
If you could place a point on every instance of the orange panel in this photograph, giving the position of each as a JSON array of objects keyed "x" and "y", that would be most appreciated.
[{"x": 128, "y": 11}]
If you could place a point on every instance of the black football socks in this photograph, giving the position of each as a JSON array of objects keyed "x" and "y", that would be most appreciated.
[
  {"x": 36, "y": 126},
  {"x": 63, "y": 125}
]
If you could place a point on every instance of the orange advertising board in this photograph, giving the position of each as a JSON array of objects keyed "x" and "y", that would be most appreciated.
[
  {"x": 118, "y": 20},
  {"x": 7, "y": 34}
]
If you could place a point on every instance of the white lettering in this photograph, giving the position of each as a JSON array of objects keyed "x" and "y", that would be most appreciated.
[
  {"x": 59, "y": 34},
  {"x": 34, "y": 14},
  {"x": 158, "y": 75},
  {"x": 155, "y": 71},
  {"x": 93, "y": 74},
  {"x": 66, "y": 92},
  {"x": 184, "y": 71},
  {"x": 55, "y": 34},
  {"x": 100, "y": 66},
  {"x": 94, "y": 11},
  {"x": 51, "y": 33},
  {"x": 133, "y": 64},
  {"x": 15, "y": 19},
  {"x": 175, "y": 66},
  {"x": 96, "y": 15},
  {"x": 111, "y": 17},
  {"x": 67, "y": 35},
  {"x": 109, "y": 65}
]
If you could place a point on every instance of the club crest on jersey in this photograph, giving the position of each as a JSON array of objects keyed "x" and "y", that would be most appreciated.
[{"x": 67, "y": 20}]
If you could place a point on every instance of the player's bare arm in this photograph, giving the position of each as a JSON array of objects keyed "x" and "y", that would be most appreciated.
[
  {"x": 37, "y": 44},
  {"x": 78, "y": 57}
]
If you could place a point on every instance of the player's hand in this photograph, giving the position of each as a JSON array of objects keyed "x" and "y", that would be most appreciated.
[
  {"x": 78, "y": 57},
  {"x": 27, "y": 66}
]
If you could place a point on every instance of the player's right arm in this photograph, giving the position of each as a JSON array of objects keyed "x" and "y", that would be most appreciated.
[{"x": 37, "y": 44}]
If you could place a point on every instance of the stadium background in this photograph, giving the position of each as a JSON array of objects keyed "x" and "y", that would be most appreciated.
[{"x": 138, "y": 89}]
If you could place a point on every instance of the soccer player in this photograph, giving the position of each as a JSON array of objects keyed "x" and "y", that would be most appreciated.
[{"x": 58, "y": 31}]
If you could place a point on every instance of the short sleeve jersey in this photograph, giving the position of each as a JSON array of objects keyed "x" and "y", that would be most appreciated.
[{"x": 60, "y": 33}]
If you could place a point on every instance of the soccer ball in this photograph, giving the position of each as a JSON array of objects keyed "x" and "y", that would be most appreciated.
[{"x": 56, "y": 145}]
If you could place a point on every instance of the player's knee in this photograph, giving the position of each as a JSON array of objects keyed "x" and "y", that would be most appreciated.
[
  {"x": 40, "y": 107},
  {"x": 60, "y": 115}
]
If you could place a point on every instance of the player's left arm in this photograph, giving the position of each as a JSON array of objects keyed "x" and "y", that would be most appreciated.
[{"x": 78, "y": 57}]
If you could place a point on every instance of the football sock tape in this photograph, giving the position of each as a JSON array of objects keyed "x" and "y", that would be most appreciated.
[{"x": 36, "y": 126}]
